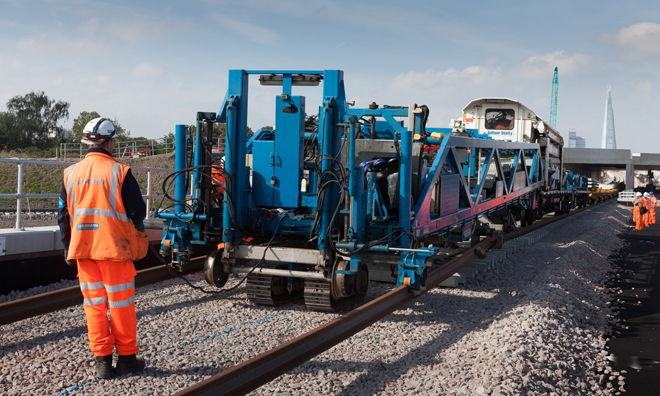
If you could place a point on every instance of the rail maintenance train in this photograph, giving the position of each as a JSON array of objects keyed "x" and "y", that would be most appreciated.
[{"x": 331, "y": 192}]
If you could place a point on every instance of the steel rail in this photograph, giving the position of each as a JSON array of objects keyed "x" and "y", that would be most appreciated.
[
  {"x": 29, "y": 307},
  {"x": 253, "y": 373},
  {"x": 544, "y": 222}
]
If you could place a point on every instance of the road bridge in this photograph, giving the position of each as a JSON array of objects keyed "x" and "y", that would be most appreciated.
[{"x": 592, "y": 161}]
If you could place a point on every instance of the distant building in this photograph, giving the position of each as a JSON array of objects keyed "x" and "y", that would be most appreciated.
[
  {"x": 59, "y": 133},
  {"x": 575, "y": 141},
  {"x": 609, "y": 137}
]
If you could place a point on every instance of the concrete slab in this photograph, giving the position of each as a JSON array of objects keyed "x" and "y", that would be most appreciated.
[
  {"x": 462, "y": 277},
  {"x": 44, "y": 239},
  {"x": 451, "y": 281},
  {"x": 30, "y": 240}
]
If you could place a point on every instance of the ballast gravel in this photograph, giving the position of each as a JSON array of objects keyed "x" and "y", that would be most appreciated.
[
  {"x": 33, "y": 219},
  {"x": 535, "y": 324}
]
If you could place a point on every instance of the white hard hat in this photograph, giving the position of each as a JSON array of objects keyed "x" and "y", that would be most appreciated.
[
  {"x": 646, "y": 194},
  {"x": 98, "y": 130},
  {"x": 638, "y": 194}
]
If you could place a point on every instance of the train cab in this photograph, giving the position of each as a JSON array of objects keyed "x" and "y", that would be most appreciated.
[{"x": 507, "y": 119}]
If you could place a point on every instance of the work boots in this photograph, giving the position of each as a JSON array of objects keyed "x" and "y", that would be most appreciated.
[
  {"x": 129, "y": 364},
  {"x": 104, "y": 366}
]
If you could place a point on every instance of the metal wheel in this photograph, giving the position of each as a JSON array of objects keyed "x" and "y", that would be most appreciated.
[
  {"x": 213, "y": 272},
  {"x": 362, "y": 282},
  {"x": 343, "y": 285}
]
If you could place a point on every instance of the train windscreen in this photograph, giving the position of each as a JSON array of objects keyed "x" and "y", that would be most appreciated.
[{"x": 500, "y": 119}]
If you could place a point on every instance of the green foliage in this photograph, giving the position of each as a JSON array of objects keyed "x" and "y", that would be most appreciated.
[
  {"x": 169, "y": 138},
  {"x": 35, "y": 182},
  {"x": 31, "y": 152},
  {"x": 29, "y": 119},
  {"x": 121, "y": 133},
  {"x": 33, "y": 116},
  {"x": 9, "y": 134}
]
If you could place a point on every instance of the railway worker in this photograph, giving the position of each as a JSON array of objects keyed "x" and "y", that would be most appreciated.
[
  {"x": 100, "y": 217},
  {"x": 652, "y": 203},
  {"x": 638, "y": 202},
  {"x": 646, "y": 215}
]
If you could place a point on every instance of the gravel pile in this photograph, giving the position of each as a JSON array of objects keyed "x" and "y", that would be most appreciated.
[{"x": 534, "y": 325}]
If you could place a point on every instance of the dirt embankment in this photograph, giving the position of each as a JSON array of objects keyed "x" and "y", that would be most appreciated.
[{"x": 47, "y": 179}]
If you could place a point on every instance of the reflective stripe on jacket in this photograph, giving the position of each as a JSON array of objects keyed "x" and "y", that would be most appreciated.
[{"x": 100, "y": 228}]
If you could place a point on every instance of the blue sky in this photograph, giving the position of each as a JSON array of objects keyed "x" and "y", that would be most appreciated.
[{"x": 154, "y": 64}]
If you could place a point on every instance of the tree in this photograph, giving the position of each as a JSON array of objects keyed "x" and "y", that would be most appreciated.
[
  {"x": 169, "y": 137},
  {"x": 84, "y": 117},
  {"x": 33, "y": 116},
  {"x": 9, "y": 133},
  {"x": 121, "y": 134}
]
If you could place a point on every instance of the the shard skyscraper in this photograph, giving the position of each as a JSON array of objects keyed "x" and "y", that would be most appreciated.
[{"x": 609, "y": 137}]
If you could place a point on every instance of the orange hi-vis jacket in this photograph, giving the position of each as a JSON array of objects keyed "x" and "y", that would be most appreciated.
[
  {"x": 637, "y": 202},
  {"x": 100, "y": 228}
]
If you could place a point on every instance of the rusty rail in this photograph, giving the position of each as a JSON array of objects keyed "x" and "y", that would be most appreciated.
[{"x": 28, "y": 307}]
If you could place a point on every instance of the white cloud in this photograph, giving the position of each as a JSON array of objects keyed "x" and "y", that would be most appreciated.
[
  {"x": 472, "y": 75},
  {"x": 48, "y": 43},
  {"x": 446, "y": 90},
  {"x": 493, "y": 74},
  {"x": 540, "y": 67},
  {"x": 252, "y": 32},
  {"x": 643, "y": 36},
  {"x": 147, "y": 70}
]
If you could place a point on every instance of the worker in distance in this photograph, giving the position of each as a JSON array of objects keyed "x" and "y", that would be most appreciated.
[
  {"x": 100, "y": 217},
  {"x": 638, "y": 204},
  {"x": 652, "y": 204}
]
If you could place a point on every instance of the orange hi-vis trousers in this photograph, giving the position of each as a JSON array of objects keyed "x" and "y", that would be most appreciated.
[
  {"x": 637, "y": 218},
  {"x": 109, "y": 284}
]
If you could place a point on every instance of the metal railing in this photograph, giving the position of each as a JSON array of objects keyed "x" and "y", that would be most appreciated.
[
  {"x": 626, "y": 196},
  {"x": 129, "y": 149},
  {"x": 19, "y": 196}
]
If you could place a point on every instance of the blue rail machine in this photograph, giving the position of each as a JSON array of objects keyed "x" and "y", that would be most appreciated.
[{"x": 331, "y": 193}]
